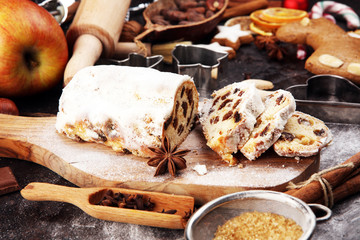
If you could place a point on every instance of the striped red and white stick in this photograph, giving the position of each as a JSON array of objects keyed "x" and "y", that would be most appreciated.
[{"x": 324, "y": 7}]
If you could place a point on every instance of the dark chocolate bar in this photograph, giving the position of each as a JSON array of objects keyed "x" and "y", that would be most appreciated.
[{"x": 8, "y": 181}]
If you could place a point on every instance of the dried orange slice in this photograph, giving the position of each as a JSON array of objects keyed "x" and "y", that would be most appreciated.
[
  {"x": 257, "y": 29},
  {"x": 282, "y": 15},
  {"x": 256, "y": 17}
]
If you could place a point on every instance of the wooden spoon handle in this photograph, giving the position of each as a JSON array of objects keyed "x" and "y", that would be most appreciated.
[{"x": 37, "y": 191}]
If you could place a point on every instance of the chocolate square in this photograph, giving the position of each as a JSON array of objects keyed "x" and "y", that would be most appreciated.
[{"x": 8, "y": 181}]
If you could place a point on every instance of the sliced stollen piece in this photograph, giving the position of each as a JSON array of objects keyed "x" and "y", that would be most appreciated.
[
  {"x": 279, "y": 106},
  {"x": 229, "y": 117},
  {"x": 303, "y": 136},
  {"x": 127, "y": 108}
]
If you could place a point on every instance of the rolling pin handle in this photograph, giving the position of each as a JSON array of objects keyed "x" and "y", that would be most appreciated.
[
  {"x": 123, "y": 49},
  {"x": 87, "y": 50}
]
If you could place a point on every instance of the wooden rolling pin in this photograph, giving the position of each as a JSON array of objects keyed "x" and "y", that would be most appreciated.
[{"x": 95, "y": 31}]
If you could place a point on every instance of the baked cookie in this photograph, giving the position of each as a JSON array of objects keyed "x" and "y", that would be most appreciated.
[
  {"x": 232, "y": 36},
  {"x": 335, "y": 51},
  {"x": 229, "y": 117},
  {"x": 216, "y": 47},
  {"x": 303, "y": 136},
  {"x": 127, "y": 108},
  {"x": 279, "y": 106}
]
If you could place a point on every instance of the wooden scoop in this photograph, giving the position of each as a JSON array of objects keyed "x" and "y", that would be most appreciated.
[{"x": 87, "y": 198}]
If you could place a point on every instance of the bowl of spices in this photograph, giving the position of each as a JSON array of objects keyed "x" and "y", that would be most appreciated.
[
  {"x": 254, "y": 214},
  {"x": 190, "y": 20}
]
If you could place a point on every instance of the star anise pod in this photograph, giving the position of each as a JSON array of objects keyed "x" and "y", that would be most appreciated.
[
  {"x": 270, "y": 43},
  {"x": 262, "y": 41},
  {"x": 275, "y": 51},
  {"x": 166, "y": 158}
]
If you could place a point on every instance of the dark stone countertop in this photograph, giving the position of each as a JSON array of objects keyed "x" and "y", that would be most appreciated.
[{"x": 22, "y": 219}]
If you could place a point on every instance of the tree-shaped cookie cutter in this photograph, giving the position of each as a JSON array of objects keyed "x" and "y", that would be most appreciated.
[
  {"x": 205, "y": 66},
  {"x": 135, "y": 60},
  {"x": 329, "y": 97}
]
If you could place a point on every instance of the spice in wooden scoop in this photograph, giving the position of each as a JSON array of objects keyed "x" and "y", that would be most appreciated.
[{"x": 132, "y": 201}]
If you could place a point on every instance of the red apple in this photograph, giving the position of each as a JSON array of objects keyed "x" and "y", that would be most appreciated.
[{"x": 33, "y": 49}]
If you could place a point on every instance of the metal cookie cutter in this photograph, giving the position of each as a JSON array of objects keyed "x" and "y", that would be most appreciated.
[
  {"x": 135, "y": 60},
  {"x": 207, "y": 67},
  {"x": 61, "y": 10},
  {"x": 329, "y": 97}
]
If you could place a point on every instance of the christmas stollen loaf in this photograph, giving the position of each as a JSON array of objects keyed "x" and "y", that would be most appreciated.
[
  {"x": 279, "y": 106},
  {"x": 229, "y": 117},
  {"x": 127, "y": 108},
  {"x": 303, "y": 136}
]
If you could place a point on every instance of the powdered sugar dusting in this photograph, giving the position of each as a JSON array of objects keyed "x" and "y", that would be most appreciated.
[
  {"x": 345, "y": 143},
  {"x": 253, "y": 177},
  {"x": 102, "y": 162},
  {"x": 101, "y": 96}
]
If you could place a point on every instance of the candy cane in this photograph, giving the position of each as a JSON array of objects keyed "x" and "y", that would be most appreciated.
[
  {"x": 301, "y": 52},
  {"x": 325, "y": 15},
  {"x": 329, "y": 17},
  {"x": 319, "y": 8}
]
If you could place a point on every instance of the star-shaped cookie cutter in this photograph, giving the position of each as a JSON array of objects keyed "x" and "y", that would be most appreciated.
[
  {"x": 207, "y": 67},
  {"x": 135, "y": 60}
]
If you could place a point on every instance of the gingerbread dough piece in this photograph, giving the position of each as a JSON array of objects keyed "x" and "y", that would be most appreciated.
[{"x": 335, "y": 51}]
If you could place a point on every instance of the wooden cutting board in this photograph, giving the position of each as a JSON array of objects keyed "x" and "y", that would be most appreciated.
[{"x": 90, "y": 164}]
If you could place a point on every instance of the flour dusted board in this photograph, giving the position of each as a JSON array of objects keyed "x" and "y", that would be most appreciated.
[{"x": 90, "y": 164}]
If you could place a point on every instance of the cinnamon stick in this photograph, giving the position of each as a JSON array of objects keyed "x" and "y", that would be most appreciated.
[
  {"x": 234, "y": 3},
  {"x": 245, "y": 8},
  {"x": 353, "y": 174},
  {"x": 347, "y": 189},
  {"x": 240, "y": 1},
  {"x": 313, "y": 191}
]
